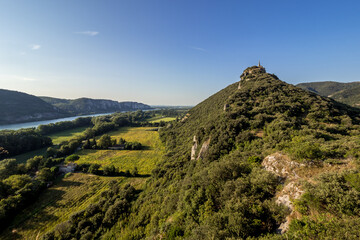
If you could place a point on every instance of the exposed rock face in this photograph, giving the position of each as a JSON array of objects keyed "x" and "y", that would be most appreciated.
[
  {"x": 285, "y": 169},
  {"x": 193, "y": 149},
  {"x": 89, "y": 106},
  {"x": 185, "y": 117},
  {"x": 281, "y": 166},
  {"x": 204, "y": 148},
  {"x": 252, "y": 70}
]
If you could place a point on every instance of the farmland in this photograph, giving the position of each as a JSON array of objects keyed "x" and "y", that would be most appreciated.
[
  {"x": 66, "y": 135},
  {"x": 145, "y": 160},
  {"x": 160, "y": 118},
  {"x": 58, "y": 202},
  {"x": 22, "y": 158},
  {"x": 56, "y": 138},
  {"x": 76, "y": 192}
]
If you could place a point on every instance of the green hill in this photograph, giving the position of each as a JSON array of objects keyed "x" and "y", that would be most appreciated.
[
  {"x": 348, "y": 93},
  {"x": 234, "y": 157},
  {"x": 82, "y": 106},
  {"x": 16, "y": 107}
]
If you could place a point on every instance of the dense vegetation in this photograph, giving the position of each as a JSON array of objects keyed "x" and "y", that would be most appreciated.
[
  {"x": 82, "y": 106},
  {"x": 329, "y": 208},
  {"x": 20, "y": 184},
  {"x": 18, "y": 107},
  {"x": 210, "y": 183},
  {"x": 224, "y": 193},
  {"x": 348, "y": 93},
  {"x": 21, "y": 141},
  {"x": 50, "y": 128},
  {"x": 96, "y": 219}
]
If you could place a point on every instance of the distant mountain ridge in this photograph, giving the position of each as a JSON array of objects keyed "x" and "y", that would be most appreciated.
[
  {"x": 19, "y": 107},
  {"x": 83, "y": 106},
  {"x": 348, "y": 93}
]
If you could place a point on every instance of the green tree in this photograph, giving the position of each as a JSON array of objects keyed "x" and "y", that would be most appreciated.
[{"x": 105, "y": 141}]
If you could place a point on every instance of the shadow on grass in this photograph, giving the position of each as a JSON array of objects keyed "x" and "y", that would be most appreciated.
[{"x": 35, "y": 209}]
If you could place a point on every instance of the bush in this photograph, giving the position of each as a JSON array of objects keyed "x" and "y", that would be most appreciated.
[
  {"x": 69, "y": 174},
  {"x": 72, "y": 158}
]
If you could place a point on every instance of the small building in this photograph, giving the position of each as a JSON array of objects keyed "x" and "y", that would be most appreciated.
[{"x": 70, "y": 167}]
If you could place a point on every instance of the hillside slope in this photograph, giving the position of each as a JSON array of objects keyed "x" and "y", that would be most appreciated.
[
  {"x": 82, "y": 106},
  {"x": 211, "y": 185},
  {"x": 16, "y": 107},
  {"x": 348, "y": 93}
]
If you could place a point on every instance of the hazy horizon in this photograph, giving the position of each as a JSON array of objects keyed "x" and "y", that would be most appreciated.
[{"x": 171, "y": 53}]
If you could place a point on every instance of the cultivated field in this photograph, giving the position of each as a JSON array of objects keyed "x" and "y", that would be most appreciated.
[
  {"x": 22, "y": 158},
  {"x": 72, "y": 194},
  {"x": 160, "y": 118},
  {"x": 145, "y": 160},
  {"x": 66, "y": 135},
  {"x": 58, "y": 202},
  {"x": 57, "y": 138}
]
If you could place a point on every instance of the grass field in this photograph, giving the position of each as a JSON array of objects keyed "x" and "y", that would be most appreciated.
[
  {"x": 56, "y": 138},
  {"x": 72, "y": 194},
  {"x": 22, "y": 158},
  {"x": 66, "y": 135},
  {"x": 145, "y": 160},
  {"x": 160, "y": 118},
  {"x": 58, "y": 202}
]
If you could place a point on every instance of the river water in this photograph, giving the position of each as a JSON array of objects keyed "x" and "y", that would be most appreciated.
[{"x": 37, "y": 123}]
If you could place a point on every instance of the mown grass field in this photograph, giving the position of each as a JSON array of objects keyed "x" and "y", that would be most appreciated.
[
  {"x": 160, "y": 118},
  {"x": 66, "y": 135},
  {"x": 22, "y": 158},
  {"x": 145, "y": 160},
  {"x": 58, "y": 202},
  {"x": 56, "y": 138}
]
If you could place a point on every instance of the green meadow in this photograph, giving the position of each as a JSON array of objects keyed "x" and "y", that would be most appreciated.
[
  {"x": 66, "y": 135},
  {"x": 145, "y": 160},
  {"x": 22, "y": 158},
  {"x": 159, "y": 118}
]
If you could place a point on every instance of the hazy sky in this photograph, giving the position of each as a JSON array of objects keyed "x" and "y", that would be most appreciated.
[{"x": 173, "y": 52}]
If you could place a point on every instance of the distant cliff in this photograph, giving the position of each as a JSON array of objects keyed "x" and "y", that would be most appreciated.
[
  {"x": 17, "y": 107},
  {"x": 83, "y": 106}
]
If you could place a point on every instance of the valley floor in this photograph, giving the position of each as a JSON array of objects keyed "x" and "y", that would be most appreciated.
[{"x": 76, "y": 192}]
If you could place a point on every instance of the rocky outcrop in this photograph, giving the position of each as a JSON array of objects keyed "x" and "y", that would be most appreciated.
[
  {"x": 250, "y": 71},
  {"x": 282, "y": 166},
  {"x": 83, "y": 106},
  {"x": 286, "y": 170},
  {"x": 203, "y": 150},
  {"x": 193, "y": 148}
]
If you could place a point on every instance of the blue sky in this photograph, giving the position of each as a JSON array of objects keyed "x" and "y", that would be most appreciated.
[{"x": 171, "y": 52}]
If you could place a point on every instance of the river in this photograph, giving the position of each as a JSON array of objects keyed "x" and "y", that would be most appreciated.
[{"x": 17, "y": 126}]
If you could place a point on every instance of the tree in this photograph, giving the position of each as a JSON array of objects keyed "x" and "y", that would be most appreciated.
[
  {"x": 94, "y": 168},
  {"x": 7, "y": 167},
  {"x": 105, "y": 141},
  {"x": 45, "y": 174},
  {"x": 72, "y": 158},
  {"x": 3, "y": 152}
]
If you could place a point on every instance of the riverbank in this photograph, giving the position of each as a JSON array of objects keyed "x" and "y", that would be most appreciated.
[{"x": 17, "y": 126}]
